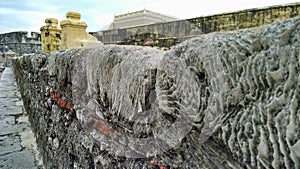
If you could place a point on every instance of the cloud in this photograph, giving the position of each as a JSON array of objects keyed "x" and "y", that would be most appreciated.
[
  {"x": 16, "y": 5},
  {"x": 31, "y": 14}
]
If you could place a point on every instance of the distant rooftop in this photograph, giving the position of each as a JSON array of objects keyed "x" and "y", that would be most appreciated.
[
  {"x": 144, "y": 11},
  {"x": 138, "y": 18}
]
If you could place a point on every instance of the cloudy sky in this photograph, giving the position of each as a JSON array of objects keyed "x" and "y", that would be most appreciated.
[{"x": 29, "y": 15}]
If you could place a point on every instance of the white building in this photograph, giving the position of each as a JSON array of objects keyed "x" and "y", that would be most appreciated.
[{"x": 138, "y": 18}]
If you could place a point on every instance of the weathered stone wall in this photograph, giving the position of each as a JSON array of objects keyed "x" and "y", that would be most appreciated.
[
  {"x": 221, "y": 100},
  {"x": 20, "y": 42},
  {"x": 170, "y": 33}
]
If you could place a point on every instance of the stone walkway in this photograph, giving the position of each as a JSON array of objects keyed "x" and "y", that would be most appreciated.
[{"x": 17, "y": 142}]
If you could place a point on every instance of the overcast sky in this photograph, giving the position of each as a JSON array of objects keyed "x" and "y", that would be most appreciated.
[{"x": 29, "y": 15}]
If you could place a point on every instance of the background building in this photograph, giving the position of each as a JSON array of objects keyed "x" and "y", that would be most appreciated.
[{"x": 138, "y": 18}]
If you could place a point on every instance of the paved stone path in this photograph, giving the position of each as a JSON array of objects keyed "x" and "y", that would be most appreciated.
[{"x": 17, "y": 142}]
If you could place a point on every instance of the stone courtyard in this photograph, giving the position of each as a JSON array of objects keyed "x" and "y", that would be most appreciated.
[{"x": 17, "y": 142}]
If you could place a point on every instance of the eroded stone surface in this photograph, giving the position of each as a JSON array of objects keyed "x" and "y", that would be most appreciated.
[{"x": 222, "y": 100}]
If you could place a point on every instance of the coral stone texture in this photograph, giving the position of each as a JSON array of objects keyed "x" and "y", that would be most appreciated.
[
  {"x": 51, "y": 36},
  {"x": 221, "y": 100}
]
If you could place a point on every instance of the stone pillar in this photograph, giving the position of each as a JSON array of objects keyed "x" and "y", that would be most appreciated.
[
  {"x": 7, "y": 58},
  {"x": 1, "y": 58},
  {"x": 51, "y": 36},
  {"x": 74, "y": 33}
]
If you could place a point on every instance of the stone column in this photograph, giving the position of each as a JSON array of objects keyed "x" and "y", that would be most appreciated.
[
  {"x": 51, "y": 36},
  {"x": 74, "y": 33}
]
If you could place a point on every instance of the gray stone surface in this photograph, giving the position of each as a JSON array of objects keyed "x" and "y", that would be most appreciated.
[
  {"x": 17, "y": 143},
  {"x": 15, "y": 110},
  {"x": 21, "y": 159},
  {"x": 6, "y": 121},
  {"x": 9, "y": 144},
  {"x": 222, "y": 100},
  {"x": 12, "y": 129}
]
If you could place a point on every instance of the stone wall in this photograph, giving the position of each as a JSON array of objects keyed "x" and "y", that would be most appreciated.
[
  {"x": 221, "y": 100},
  {"x": 20, "y": 42},
  {"x": 170, "y": 33}
]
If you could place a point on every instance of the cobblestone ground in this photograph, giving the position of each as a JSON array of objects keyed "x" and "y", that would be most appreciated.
[{"x": 17, "y": 142}]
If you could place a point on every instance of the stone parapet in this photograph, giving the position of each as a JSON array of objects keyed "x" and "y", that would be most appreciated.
[{"x": 221, "y": 100}]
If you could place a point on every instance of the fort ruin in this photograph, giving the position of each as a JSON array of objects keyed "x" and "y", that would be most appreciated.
[{"x": 222, "y": 98}]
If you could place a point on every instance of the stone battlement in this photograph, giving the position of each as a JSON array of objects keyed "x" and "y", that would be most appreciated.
[{"x": 20, "y": 42}]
